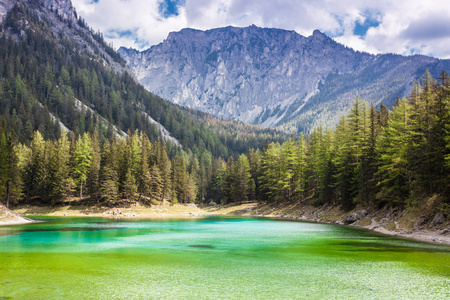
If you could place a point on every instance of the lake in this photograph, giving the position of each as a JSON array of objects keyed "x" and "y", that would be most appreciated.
[{"x": 214, "y": 258}]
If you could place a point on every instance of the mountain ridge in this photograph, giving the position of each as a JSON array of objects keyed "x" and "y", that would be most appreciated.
[{"x": 269, "y": 76}]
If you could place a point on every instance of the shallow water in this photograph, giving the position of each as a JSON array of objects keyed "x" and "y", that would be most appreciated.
[{"x": 214, "y": 258}]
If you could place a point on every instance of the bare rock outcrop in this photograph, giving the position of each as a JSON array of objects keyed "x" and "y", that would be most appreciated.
[{"x": 356, "y": 216}]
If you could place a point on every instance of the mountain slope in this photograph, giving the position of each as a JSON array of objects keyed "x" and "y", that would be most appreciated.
[
  {"x": 55, "y": 73},
  {"x": 272, "y": 77}
]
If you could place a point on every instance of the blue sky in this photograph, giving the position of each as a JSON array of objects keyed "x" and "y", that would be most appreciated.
[{"x": 404, "y": 27}]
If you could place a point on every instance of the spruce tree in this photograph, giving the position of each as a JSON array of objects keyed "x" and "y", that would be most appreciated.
[
  {"x": 164, "y": 167},
  {"x": 155, "y": 189},
  {"x": 394, "y": 171},
  {"x": 109, "y": 189},
  {"x": 82, "y": 158}
]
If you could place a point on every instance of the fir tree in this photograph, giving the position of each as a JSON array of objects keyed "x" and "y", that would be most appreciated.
[{"x": 82, "y": 161}]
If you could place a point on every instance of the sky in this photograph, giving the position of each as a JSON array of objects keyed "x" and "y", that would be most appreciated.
[{"x": 376, "y": 26}]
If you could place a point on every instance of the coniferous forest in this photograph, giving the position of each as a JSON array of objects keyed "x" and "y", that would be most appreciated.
[{"x": 374, "y": 157}]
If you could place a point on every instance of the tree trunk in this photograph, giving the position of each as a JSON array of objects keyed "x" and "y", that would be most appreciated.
[
  {"x": 81, "y": 190},
  {"x": 7, "y": 195}
]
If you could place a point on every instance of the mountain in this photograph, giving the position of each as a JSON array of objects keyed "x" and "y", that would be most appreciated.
[
  {"x": 272, "y": 77},
  {"x": 57, "y": 74}
]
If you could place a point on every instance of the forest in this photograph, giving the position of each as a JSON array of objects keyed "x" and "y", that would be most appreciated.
[{"x": 373, "y": 157}]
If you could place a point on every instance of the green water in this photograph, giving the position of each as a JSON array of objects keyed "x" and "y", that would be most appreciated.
[{"x": 214, "y": 258}]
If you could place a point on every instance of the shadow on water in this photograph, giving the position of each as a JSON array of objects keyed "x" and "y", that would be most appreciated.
[{"x": 202, "y": 246}]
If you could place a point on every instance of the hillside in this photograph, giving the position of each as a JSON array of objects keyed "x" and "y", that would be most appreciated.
[
  {"x": 272, "y": 77},
  {"x": 58, "y": 74}
]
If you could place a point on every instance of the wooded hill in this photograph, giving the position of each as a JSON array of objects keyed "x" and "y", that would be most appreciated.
[{"x": 57, "y": 73}]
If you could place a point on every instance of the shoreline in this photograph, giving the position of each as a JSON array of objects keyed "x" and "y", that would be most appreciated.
[
  {"x": 387, "y": 222},
  {"x": 440, "y": 235},
  {"x": 8, "y": 217}
]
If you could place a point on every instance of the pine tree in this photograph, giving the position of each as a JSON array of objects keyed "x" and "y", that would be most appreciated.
[
  {"x": 134, "y": 149},
  {"x": 10, "y": 179},
  {"x": 367, "y": 167},
  {"x": 271, "y": 173},
  {"x": 314, "y": 162},
  {"x": 93, "y": 175},
  {"x": 82, "y": 161},
  {"x": 344, "y": 165},
  {"x": 191, "y": 189},
  {"x": 36, "y": 172},
  {"x": 300, "y": 168},
  {"x": 129, "y": 188},
  {"x": 60, "y": 182},
  {"x": 288, "y": 165},
  {"x": 219, "y": 183},
  {"x": 394, "y": 172},
  {"x": 439, "y": 170},
  {"x": 422, "y": 121},
  {"x": 254, "y": 160},
  {"x": 164, "y": 167},
  {"x": 243, "y": 181},
  {"x": 155, "y": 183},
  {"x": 109, "y": 189},
  {"x": 230, "y": 180},
  {"x": 327, "y": 169},
  {"x": 144, "y": 174},
  {"x": 179, "y": 179}
]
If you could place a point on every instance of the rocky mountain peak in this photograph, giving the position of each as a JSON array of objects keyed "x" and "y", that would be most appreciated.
[
  {"x": 64, "y": 8},
  {"x": 317, "y": 34},
  {"x": 269, "y": 76}
]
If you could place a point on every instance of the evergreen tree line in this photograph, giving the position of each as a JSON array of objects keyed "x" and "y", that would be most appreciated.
[
  {"x": 48, "y": 172},
  {"x": 373, "y": 157}
]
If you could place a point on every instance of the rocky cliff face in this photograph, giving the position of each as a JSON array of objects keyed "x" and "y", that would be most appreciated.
[
  {"x": 64, "y": 8},
  {"x": 62, "y": 20},
  {"x": 271, "y": 77}
]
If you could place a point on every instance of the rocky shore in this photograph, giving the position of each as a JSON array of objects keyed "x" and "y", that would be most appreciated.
[{"x": 8, "y": 217}]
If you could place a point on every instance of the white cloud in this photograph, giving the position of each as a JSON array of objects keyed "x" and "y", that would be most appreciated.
[{"x": 403, "y": 24}]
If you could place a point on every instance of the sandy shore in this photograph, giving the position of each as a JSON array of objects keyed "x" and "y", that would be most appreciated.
[{"x": 384, "y": 222}]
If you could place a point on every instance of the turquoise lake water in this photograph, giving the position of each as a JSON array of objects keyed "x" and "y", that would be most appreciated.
[{"x": 214, "y": 258}]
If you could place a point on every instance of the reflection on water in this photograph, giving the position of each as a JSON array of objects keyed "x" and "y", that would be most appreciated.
[{"x": 218, "y": 258}]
